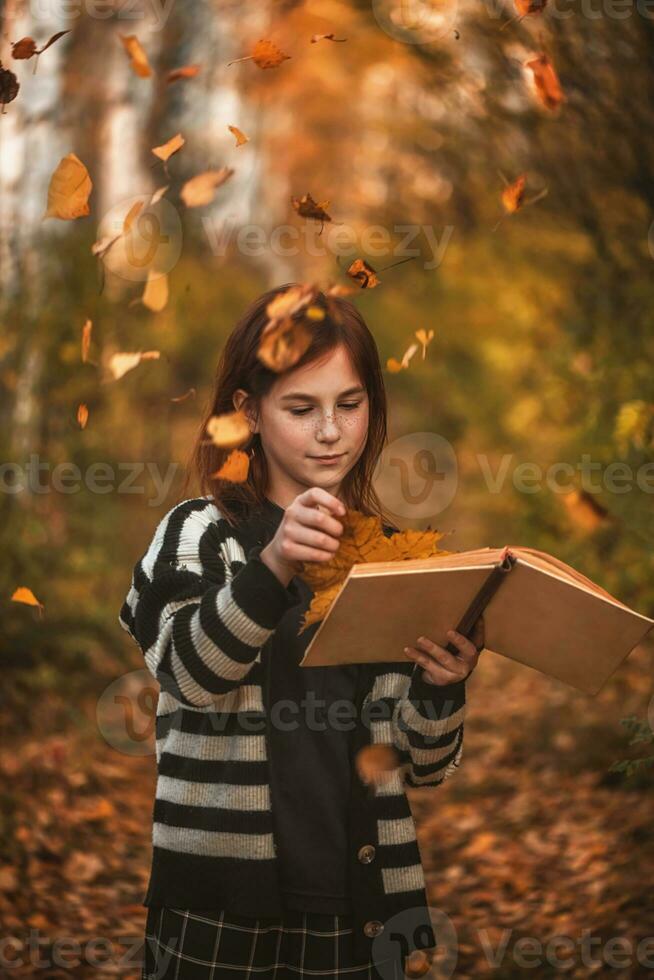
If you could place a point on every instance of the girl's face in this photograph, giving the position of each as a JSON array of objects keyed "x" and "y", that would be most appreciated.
[{"x": 320, "y": 409}]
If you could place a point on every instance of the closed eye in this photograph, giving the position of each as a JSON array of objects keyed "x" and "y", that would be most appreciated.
[{"x": 348, "y": 406}]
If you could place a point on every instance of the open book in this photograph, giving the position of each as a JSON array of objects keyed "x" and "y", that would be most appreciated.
[{"x": 537, "y": 611}]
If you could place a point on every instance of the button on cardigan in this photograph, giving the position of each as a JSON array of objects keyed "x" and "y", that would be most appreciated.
[{"x": 201, "y": 606}]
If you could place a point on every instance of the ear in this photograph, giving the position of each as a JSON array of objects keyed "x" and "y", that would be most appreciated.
[{"x": 241, "y": 400}]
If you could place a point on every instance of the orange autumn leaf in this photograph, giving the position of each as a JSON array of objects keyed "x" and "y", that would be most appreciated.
[
  {"x": 265, "y": 54},
  {"x": 25, "y": 595},
  {"x": 229, "y": 430},
  {"x": 166, "y": 150},
  {"x": 186, "y": 71},
  {"x": 363, "y": 273},
  {"x": 155, "y": 294},
  {"x": 235, "y": 468},
  {"x": 119, "y": 364},
  {"x": 82, "y": 415},
  {"x": 241, "y": 138},
  {"x": 393, "y": 365},
  {"x": 376, "y": 763},
  {"x": 201, "y": 189},
  {"x": 139, "y": 60},
  {"x": 546, "y": 81},
  {"x": 513, "y": 195},
  {"x": 362, "y": 540},
  {"x": 584, "y": 510},
  {"x": 284, "y": 344},
  {"x": 69, "y": 190},
  {"x": 86, "y": 340}
]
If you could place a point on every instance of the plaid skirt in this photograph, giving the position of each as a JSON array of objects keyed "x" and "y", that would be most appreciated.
[{"x": 199, "y": 944}]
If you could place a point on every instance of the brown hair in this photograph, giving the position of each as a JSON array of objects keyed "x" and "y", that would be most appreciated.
[{"x": 239, "y": 367}]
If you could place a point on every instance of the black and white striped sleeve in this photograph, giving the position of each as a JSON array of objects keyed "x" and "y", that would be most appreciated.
[
  {"x": 199, "y": 623},
  {"x": 430, "y": 726}
]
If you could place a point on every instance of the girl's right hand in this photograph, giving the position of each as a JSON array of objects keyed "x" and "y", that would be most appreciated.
[{"x": 305, "y": 533}]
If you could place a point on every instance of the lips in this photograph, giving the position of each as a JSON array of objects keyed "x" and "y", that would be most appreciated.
[{"x": 335, "y": 456}]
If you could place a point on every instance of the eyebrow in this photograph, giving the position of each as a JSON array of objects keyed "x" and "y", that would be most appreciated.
[{"x": 309, "y": 398}]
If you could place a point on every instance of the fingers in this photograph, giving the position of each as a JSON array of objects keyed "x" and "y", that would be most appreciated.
[
  {"x": 316, "y": 495},
  {"x": 311, "y": 517},
  {"x": 435, "y": 672}
]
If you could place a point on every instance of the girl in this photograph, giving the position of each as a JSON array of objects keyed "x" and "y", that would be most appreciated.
[{"x": 271, "y": 857}]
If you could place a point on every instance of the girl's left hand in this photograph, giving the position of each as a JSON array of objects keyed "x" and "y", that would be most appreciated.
[{"x": 442, "y": 667}]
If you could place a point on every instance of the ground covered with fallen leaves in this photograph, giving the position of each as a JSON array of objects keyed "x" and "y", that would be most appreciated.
[{"x": 531, "y": 839}]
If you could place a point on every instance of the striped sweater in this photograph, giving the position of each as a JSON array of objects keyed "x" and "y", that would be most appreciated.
[{"x": 201, "y": 607}]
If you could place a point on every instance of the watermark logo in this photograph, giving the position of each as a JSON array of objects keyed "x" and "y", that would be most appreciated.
[
  {"x": 126, "y": 713},
  {"x": 416, "y": 21},
  {"x": 138, "y": 239},
  {"x": 405, "y": 939},
  {"x": 417, "y": 475}
]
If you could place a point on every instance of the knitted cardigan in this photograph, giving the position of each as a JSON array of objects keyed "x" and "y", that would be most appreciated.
[{"x": 201, "y": 606}]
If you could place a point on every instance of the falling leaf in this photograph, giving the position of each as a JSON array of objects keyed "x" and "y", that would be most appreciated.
[
  {"x": 513, "y": 195},
  {"x": 241, "y": 138},
  {"x": 546, "y": 81},
  {"x": 284, "y": 345},
  {"x": 9, "y": 86},
  {"x": 155, "y": 294},
  {"x": 325, "y": 37},
  {"x": 23, "y": 594},
  {"x": 363, "y": 273},
  {"x": 376, "y": 763},
  {"x": 265, "y": 54},
  {"x": 201, "y": 189},
  {"x": 165, "y": 151},
  {"x": 362, "y": 540},
  {"x": 82, "y": 415},
  {"x": 69, "y": 189},
  {"x": 229, "y": 430},
  {"x": 139, "y": 59},
  {"x": 235, "y": 468},
  {"x": 158, "y": 194},
  {"x": 26, "y": 47},
  {"x": 119, "y": 364},
  {"x": 86, "y": 340},
  {"x": 187, "y": 71},
  {"x": 182, "y": 398},
  {"x": 23, "y": 49},
  {"x": 135, "y": 209},
  {"x": 306, "y": 207},
  {"x": 425, "y": 339},
  {"x": 584, "y": 509},
  {"x": 394, "y": 365}
]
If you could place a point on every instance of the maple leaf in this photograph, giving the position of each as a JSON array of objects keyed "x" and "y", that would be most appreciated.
[
  {"x": 363, "y": 273},
  {"x": 362, "y": 540},
  {"x": 306, "y": 207},
  {"x": 265, "y": 54}
]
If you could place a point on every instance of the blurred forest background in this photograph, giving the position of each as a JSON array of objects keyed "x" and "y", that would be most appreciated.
[{"x": 418, "y": 116}]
